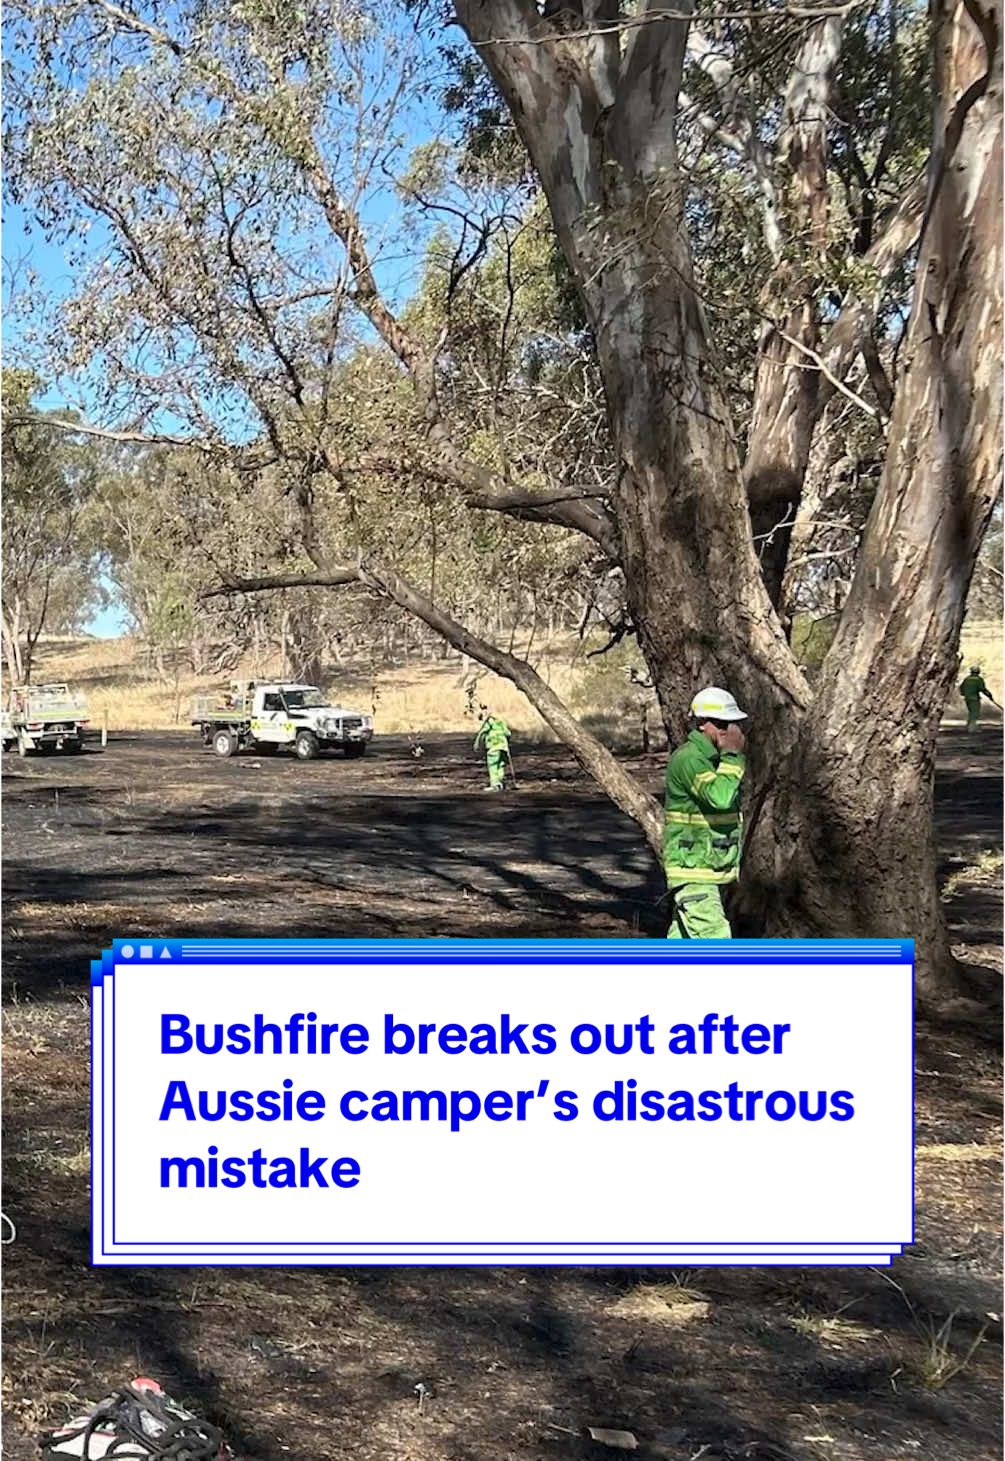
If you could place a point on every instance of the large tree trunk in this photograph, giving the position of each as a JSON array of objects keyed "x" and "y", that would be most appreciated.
[
  {"x": 604, "y": 149},
  {"x": 845, "y": 845},
  {"x": 781, "y": 433},
  {"x": 857, "y": 811},
  {"x": 786, "y": 384}
]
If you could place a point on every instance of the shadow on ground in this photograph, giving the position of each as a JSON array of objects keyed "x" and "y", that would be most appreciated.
[{"x": 156, "y": 836}]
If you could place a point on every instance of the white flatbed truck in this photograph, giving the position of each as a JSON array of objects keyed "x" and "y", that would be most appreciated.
[
  {"x": 43, "y": 718},
  {"x": 266, "y": 717}
]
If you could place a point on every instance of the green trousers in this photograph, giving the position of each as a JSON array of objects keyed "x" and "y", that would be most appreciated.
[
  {"x": 698, "y": 912},
  {"x": 973, "y": 711},
  {"x": 496, "y": 762}
]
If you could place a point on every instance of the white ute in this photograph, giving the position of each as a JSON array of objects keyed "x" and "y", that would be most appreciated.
[
  {"x": 263, "y": 717},
  {"x": 44, "y": 718}
]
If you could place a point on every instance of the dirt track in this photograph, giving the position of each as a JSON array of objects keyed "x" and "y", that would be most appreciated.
[{"x": 157, "y": 836}]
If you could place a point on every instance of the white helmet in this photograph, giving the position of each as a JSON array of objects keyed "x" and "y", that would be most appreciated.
[{"x": 715, "y": 704}]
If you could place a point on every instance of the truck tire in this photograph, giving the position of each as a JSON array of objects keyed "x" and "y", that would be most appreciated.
[
  {"x": 224, "y": 742},
  {"x": 306, "y": 745},
  {"x": 74, "y": 746},
  {"x": 355, "y": 749}
]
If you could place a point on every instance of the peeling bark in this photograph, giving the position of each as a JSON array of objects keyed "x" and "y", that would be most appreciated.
[
  {"x": 858, "y": 812},
  {"x": 845, "y": 793},
  {"x": 786, "y": 385},
  {"x": 610, "y": 175}
]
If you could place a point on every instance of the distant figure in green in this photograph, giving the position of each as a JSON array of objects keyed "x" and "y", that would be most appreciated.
[
  {"x": 972, "y": 688},
  {"x": 493, "y": 736}
]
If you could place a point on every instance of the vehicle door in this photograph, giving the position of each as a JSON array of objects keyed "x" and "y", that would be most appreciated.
[{"x": 272, "y": 721}]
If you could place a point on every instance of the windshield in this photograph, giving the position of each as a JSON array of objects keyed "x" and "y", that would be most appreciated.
[{"x": 305, "y": 699}]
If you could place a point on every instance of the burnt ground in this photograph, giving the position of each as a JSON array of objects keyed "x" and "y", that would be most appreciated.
[{"x": 157, "y": 836}]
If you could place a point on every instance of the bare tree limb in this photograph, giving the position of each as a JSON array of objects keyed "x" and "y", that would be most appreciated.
[
  {"x": 581, "y": 510},
  {"x": 843, "y": 341},
  {"x": 105, "y": 433},
  {"x": 658, "y": 13},
  {"x": 818, "y": 360},
  {"x": 332, "y": 578},
  {"x": 592, "y": 755}
]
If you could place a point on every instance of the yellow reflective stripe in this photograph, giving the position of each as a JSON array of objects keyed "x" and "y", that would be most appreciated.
[
  {"x": 699, "y": 874},
  {"x": 730, "y": 768},
  {"x": 701, "y": 779},
  {"x": 700, "y": 819}
]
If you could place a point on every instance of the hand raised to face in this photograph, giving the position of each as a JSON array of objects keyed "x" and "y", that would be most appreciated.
[{"x": 732, "y": 738}]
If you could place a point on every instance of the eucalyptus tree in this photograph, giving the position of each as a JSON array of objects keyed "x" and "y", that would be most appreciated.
[
  {"x": 51, "y": 558},
  {"x": 236, "y": 160}
]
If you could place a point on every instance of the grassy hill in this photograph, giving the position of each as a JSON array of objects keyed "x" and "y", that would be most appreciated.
[{"x": 419, "y": 695}]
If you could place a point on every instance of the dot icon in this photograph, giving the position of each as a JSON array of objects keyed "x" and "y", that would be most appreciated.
[{"x": 128, "y": 951}]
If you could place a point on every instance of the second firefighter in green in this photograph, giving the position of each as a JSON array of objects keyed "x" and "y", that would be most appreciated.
[
  {"x": 493, "y": 735},
  {"x": 972, "y": 688},
  {"x": 703, "y": 830}
]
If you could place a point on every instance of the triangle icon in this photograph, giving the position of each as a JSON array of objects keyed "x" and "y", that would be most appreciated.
[{"x": 165, "y": 953}]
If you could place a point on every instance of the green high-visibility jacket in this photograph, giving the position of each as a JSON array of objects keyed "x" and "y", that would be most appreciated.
[
  {"x": 973, "y": 687},
  {"x": 704, "y": 826},
  {"x": 493, "y": 734}
]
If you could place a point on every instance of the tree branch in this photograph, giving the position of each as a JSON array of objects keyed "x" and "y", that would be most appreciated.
[
  {"x": 843, "y": 341},
  {"x": 643, "y": 119},
  {"x": 592, "y": 755},
  {"x": 104, "y": 433},
  {"x": 659, "y": 13},
  {"x": 474, "y": 481},
  {"x": 820, "y": 363},
  {"x": 582, "y": 511},
  {"x": 333, "y": 578},
  {"x": 127, "y": 20}
]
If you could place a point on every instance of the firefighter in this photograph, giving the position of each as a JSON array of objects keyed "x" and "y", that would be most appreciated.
[
  {"x": 702, "y": 833},
  {"x": 972, "y": 688},
  {"x": 493, "y": 736}
]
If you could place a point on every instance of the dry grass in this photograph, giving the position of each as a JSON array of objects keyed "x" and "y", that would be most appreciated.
[
  {"x": 832, "y": 1330},
  {"x": 944, "y": 1351},
  {"x": 984, "y": 871},
  {"x": 954, "y": 1152},
  {"x": 981, "y": 644},
  {"x": 119, "y": 681},
  {"x": 946, "y": 1354},
  {"x": 673, "y": 1304}
]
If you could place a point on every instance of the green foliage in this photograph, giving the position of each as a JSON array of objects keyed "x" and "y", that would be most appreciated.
[
  {"x": 51, "y": 556},
  {"x": 812, "y": 638},
  {"x": 490, "y": 146},
  {"x": 612, "y": 681},
  {"x": 221, "y": 149}
]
